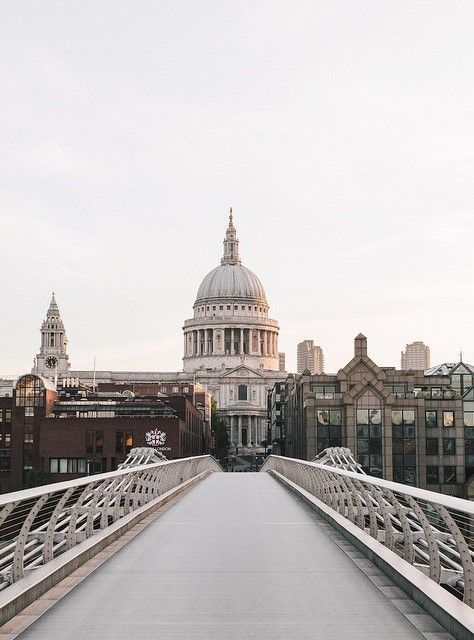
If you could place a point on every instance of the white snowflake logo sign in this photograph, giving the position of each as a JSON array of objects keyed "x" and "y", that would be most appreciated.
[{"x": 155, "y": 438}]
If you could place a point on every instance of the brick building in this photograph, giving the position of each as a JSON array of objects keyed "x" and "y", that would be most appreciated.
[{"x": 73, "y": 432}]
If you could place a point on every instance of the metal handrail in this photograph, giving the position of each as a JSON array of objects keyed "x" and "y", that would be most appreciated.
[
  {"x": 432, "y": 531},
  {"x": 37, "y": 525}
]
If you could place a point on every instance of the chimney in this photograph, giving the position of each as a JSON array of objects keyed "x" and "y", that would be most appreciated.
[{"x": 360, "y": 345}]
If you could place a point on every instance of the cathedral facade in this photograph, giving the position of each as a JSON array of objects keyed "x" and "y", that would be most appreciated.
[
  {"x": 230, "y": 349},
  {"x": 231, "y": 345}
]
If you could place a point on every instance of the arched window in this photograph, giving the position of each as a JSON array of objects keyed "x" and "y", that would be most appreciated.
[{"x": 242, "y": 390}]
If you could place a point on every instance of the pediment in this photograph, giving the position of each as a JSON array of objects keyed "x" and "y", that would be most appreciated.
[
  {"x": 361, "y": 368},
  {"x": 374, "y": 386},
  {"x": 242, "y": 372},
  {"x": 461, "y": 368}
]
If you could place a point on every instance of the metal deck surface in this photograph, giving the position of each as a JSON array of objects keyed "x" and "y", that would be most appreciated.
[{"x": 237, "y": 557}]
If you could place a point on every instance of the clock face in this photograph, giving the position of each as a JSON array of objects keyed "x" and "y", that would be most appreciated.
[{"x": 51, "y": 362}]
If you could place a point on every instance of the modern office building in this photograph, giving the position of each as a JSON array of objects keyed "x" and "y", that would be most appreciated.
[
  {"x": 281, "y": 361},
  {"x": 415, "y": 427},
  {"x": 416, "y": 356},
  {"x": 309, "y": 357}
]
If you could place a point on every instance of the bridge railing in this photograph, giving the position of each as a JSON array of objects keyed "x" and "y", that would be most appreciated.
[
  {"x": 37, "y": 525},
  {"x": 432, "y": 531}
]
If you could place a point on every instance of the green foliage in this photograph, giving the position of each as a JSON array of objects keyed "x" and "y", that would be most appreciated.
[
  {"x": 218, "y": 429},
  {"x": 36, "y": 478}
]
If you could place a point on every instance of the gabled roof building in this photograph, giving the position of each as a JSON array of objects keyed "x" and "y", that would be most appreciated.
[{"x": 414, "y": 427}]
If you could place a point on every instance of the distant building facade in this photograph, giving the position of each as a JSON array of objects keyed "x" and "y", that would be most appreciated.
[
  {"x": 281, "y": 361},
  {"x": 414, "y": 427},
  {"x": 71, "y": 432},
  {"x": 309, "y": 357},
  {"x": 416, "y": 356}
]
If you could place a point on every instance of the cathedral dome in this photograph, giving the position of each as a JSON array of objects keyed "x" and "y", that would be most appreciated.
[{"x": 232, "y": 281}]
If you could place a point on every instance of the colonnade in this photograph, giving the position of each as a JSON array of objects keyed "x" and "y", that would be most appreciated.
[
  {"x": 247, "y": 431},
  {"x": 235, "y": 341}
]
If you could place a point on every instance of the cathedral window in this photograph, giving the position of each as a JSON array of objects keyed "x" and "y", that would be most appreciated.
[{"x": 242, "y": 391}]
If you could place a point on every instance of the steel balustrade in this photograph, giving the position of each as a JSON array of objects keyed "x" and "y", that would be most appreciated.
[
  {"x": 37, "y": 525},
  {"x": 432, "y": 531}
]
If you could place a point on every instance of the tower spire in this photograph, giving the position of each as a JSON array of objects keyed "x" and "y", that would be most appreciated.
[
  {"x": 231, "y": 244},
  {"x": 52, "y": 358}
]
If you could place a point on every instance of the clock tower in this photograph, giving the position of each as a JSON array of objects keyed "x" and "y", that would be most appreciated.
[{"x": 52, "y": 360}]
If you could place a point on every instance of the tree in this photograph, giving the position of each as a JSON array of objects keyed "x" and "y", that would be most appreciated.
[
  {"x": 219, "y": 433},
  {"x": 36, "y": 478}
]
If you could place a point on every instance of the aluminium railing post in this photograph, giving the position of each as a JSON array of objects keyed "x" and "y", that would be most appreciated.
[{"x": 18, "y": 555}]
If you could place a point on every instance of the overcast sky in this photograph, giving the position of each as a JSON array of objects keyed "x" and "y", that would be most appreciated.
[{"x": 341, "y": 132}]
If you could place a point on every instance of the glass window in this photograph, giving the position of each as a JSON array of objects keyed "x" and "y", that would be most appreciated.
[
  {"x": 119, "y": 441},
  {"x": 323, "y": 417},
  {"x": 449, "y": 446},
  {"x": 449, "y": 474},
  {"x": 363, "y": 431},
  {"x": 448, "y": 418},
  {"x": 54, "y": 465},
  {"x": 431, "y": 446},
  {"x": 128, "y": 442},
  {"x": 408, "y": 416},
  {"x": 323, "y": 432},
  {"x": 397, "y": 416},
  {"x": 242, "y": 391},
  {"x": 81, "y": 465},
  {"x": 375, "y": 431},
  {"x": 335, "y": 417},
  {"x": 362, "y": 416},
  {"x": 99, "y": 441},
  {"x": 436, "y": 392},
  {"x": 431, "y": 419},
  {"x": 62, "y": 465},
  {"x": 468, "y": 417},
  {"x": 89, "y": 441},
  {"x": 375, "y": 416},
  {"x": 408, "y": 431},
  {"x": 432, "y": 475},
  {"x": 29, "y": 391}
]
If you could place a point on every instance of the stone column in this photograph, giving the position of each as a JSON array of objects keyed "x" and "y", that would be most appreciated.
[
  {"x": 265, "y": 343},
  {"x": 211, "y": 341},
  {"x": 240, "y": 431},
  {"x": 241, "y": 341},
  {"x": 232, "y": 344},
  {"x": 203, "y": 341}
]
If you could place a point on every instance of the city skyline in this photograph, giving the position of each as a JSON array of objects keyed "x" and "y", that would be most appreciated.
[{"x": 347, "y": 160}]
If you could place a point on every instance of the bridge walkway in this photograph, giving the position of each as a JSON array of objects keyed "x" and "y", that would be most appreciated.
[{"x": 237, "y": 557}]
